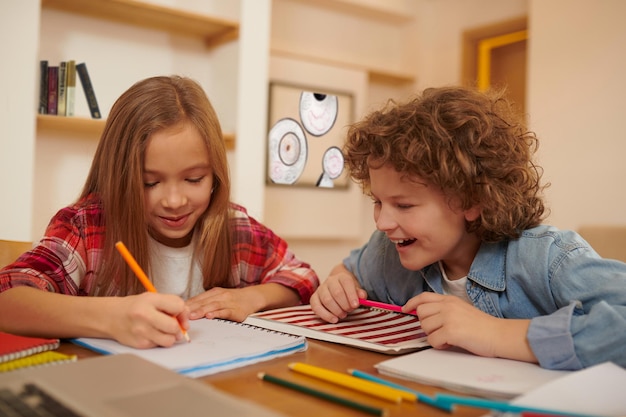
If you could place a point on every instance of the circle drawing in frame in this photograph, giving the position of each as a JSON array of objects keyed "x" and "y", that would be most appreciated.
[
  {"x": 287, "y": 151},
  {"x": 318, "y": 112},
  {"x": 332, "y": 165}
]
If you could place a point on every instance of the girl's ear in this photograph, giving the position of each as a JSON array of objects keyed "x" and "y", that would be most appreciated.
[{"x": 472, "y": 213}]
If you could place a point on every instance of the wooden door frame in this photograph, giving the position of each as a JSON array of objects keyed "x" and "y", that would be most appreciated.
[{"x": 490, "y": 36}]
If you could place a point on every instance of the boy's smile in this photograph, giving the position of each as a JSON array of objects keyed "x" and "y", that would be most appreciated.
[{"x": 418, "y": 219}]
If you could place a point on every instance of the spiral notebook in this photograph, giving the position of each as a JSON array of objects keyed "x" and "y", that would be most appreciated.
[
  {"x": 366, "y": 328},
  {"x": 13, "y": 346},
  {"x": 216, "y": 345},
  {"x": 49, "y": 357}
]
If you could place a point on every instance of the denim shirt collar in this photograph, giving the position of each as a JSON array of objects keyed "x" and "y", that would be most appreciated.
[{"x": 488, "y": 267}]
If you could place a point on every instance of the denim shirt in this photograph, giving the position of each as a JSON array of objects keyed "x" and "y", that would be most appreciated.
[{"x": 575, "y": 299}]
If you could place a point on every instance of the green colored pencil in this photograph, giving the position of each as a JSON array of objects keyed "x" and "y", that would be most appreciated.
[{"x": 321, "y": 394}]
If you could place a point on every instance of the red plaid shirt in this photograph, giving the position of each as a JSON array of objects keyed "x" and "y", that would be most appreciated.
[{"x": 66, "y": 258}]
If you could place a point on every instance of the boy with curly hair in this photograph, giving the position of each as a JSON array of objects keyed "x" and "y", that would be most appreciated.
[{"x": 458, "y": 208}]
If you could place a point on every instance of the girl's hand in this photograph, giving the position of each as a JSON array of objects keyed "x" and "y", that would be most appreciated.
[
  {"x": 450, "y": 321},
  {"x": 226, "y": 303},
  {"x": 149, "y": 319},
  {"x": 238, "y": 303},
  {"x": 337, "y": 295}
]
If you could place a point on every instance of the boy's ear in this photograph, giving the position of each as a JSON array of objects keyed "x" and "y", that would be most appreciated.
[{"x": 473, "y": 213}]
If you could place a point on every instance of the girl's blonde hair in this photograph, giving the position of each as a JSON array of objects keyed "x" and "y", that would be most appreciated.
[
  {"x": 116, "y": 177},
  {"x": 472, "y": 145}
]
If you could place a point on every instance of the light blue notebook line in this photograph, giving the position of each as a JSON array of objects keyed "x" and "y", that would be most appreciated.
[{"x": 216, "y": 345}]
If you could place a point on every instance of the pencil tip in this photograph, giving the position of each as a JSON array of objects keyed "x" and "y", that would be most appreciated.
[{"x": 260, "y": 375}]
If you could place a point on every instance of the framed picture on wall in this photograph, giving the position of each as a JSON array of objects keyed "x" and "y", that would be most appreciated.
[{"x": 307, "y": 129}]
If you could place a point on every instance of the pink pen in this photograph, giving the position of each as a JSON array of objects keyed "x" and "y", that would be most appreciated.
[{"x": 384, "y": 306}]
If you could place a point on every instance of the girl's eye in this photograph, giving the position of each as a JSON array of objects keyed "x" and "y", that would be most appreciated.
[
  {"x": 149, "y": 184},
  {"x": 404, "y": 206},
  {"x": 195, "y": 180}
]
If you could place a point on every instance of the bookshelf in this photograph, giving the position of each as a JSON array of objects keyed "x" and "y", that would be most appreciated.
[
  {"x": 213, "y": 32},
  {"x": 90, "y": 128}
]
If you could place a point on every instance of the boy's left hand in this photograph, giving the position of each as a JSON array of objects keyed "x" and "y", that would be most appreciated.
[{"x": 450, "y": 321}]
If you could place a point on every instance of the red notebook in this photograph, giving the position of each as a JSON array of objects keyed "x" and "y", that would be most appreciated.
[{"x": 14, "y": 347}]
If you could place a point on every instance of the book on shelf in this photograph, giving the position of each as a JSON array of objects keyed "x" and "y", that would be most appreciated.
[
  {"x": 53, "y": 93},
  {"x": 70, "y": 88},
  {"x": 216, "y": 345},
  {"x": 50, "y": 357},
  {"x": 464, "y": 372},
  {"x": 366, "y": 328},
  {"x": 14, "y": 346},
  {"x": 90, "y": 95},
  {"x": 43, "y": 87},
  {"x": 61, "y": 88}
]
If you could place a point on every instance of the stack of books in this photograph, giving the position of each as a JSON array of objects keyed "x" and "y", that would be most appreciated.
[
  {"x": 17, "y": 352},
  {"x": 57, "y": 89}
]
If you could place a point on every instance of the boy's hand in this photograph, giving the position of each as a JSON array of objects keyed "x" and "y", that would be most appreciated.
[
  {"x": 337, "y": 295},
  {"x": 450, "y": 321}
]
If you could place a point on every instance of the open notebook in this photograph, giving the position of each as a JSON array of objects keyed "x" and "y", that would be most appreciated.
[
  {"x": 461, "y": 371},
  {"x": 366, "y": 328},
  {"x": 216, "y": 345},
  {"x": 116, "y": 386}
]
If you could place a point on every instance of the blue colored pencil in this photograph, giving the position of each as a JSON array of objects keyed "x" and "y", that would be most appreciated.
[
  {"x": 421, "y": 397},
  {"x": 504, "y": 406}
]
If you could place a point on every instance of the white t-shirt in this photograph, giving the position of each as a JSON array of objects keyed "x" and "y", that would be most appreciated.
[
  {"x": 455, "y": 287},
  {"x": 172, "y": 271}
]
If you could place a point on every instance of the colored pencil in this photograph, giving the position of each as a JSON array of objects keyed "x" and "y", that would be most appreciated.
[
  {"x": 503, "y": 406},
  {"x": 134, "y": 266},
  {"x": 421, "y": 397},
  {"x": 384, "y": 306},
  {"x": 357, "y": 384},
  {"x": 324, "y": 395}
]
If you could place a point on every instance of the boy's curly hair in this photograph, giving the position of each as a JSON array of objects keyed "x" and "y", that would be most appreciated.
[{"x": 472, "y": 145}]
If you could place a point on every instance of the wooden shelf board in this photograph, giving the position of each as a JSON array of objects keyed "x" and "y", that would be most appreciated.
[
  {"x": 376, "y": 74},
  {"x": 91, "y": 128},
  {"x": 213, "y": 30}
]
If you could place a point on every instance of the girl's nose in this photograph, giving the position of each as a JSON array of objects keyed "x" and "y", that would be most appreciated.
[{"x": 174, "y": 198}]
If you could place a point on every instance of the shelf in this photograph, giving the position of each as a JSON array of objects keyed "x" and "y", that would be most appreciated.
[
  {"x": 375, "y": 74},
  {"x": 213, "y": 31},
  {"x": 388, "y": 11},
  {"x": 90, "y": 128}
]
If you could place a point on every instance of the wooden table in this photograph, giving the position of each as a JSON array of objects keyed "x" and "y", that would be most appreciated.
[{"x": 244, "y": 383}]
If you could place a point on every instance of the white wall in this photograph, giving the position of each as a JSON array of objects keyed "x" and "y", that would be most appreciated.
[
  {"x": 19, "y": 85},
  {"x": 576, "y": 91}
]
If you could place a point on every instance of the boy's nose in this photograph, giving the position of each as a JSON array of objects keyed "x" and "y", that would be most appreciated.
[{"x": 384, "y": 220}]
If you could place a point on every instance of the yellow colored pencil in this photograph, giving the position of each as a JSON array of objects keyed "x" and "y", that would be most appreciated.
[
  {"x": 132, "y": 263},
  {"x": 357, "y": 384}
]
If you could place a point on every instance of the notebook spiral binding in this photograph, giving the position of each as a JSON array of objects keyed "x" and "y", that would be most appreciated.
[{"x": 259, "y": 328}]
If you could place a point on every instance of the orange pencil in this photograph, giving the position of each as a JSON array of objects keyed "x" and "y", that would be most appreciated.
[{"x": 130, "y": 260}]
